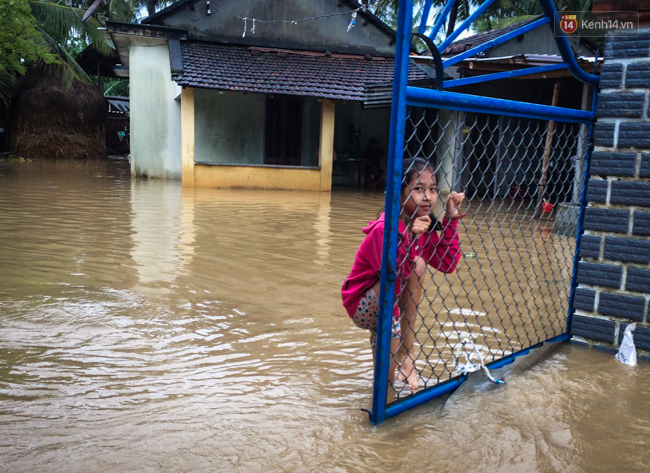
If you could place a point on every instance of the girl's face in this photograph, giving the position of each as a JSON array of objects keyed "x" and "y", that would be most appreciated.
[{"x": 420, "y": 194}]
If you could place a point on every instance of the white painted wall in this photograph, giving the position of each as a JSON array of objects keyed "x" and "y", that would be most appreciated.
[{"x": 155, "y": 114}]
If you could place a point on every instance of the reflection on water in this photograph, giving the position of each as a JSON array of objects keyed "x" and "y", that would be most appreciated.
[{"x": 148, "y": 327}]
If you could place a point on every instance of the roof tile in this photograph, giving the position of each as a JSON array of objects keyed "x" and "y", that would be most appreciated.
[
  {"x": 290, "y": 72},
  {"x": 470, "y": 42}
]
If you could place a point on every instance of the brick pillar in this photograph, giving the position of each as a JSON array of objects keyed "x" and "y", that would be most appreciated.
[{"x": 614, "y": 271}]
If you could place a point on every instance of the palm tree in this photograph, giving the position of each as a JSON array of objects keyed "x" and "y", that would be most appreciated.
[
  {"x": 501, "y": 13},
  {"x": 127, "y": 10},
  {"x": 65, "y": 33},
  {"x": 460, "y": 10},
  {"x": 506, "y": 12},
  {"x": 386, "y": 10}
]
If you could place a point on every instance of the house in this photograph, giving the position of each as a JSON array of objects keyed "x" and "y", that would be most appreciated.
[{"x": 258, "y": 94}]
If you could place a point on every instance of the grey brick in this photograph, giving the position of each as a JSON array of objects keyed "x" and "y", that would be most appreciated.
[
  {"x": 618, "y": 305},
  {"x": 641, "y": 224},
  {"x": 590, "y": 246},
  {"x": 641, "y": 336},
  {"x": 606, "y": 220},
  {"x": 584, "y": 299},
  {"x": 613, "y": 164},
  {"x": 625, "y": 105},
  {"x": 645, "y": 165},
  {"x": 628, "y": 47},
  {"x": 610, "y": 350},
  {"x": 638, "y": 75},
  {"x": 634, "y": 135},
  {"x": 630, "y": 193},
  {"x": 604, "y": 134},
  {"x": 593, "y": 274},
  {"x": 592, "y": 328},
  {"x": 611, "y": 76},
  {"x": 628, "y": 250},
  {"x": 597, "y": 191},
  {"x": 638, "y": 280}
]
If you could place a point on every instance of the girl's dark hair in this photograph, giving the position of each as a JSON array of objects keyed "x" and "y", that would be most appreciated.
[{"x": 411, "y": 167}]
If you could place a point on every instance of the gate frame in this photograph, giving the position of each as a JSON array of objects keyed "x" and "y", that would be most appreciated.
[{"x": 404, "y": 96}]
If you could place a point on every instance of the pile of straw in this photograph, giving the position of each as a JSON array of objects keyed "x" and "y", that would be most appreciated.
[{"x": 55, "y": 122}]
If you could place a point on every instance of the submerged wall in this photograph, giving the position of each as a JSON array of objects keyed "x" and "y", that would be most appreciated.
[
  {"x": 614, "y": 272},
  {"x": 259, "y": 177},
  {"x": 155, "y": 114}
]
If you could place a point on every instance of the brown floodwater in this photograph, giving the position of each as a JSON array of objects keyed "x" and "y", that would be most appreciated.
[{"x": 146, "y": 327}]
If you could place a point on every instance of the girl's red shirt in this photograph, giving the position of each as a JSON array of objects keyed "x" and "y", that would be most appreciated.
[{"x": 441, "y": 252}]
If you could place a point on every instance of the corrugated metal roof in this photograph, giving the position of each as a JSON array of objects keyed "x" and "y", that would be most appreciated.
[{"x": 119, "y": 105}]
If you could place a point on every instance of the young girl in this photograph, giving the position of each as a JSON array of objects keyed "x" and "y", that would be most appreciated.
[{"x": 419, "y": 244}]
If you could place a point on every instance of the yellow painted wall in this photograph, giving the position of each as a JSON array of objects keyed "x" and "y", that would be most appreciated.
[
  {"x": 256, "y": 177},
  {"x": 326, "y": 147},
  {"x": 230, "y": 176},
  {"x": 187, "y": 137}
]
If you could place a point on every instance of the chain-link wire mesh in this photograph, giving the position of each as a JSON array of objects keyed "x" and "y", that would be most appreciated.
[{"x": 522, "y": 180}]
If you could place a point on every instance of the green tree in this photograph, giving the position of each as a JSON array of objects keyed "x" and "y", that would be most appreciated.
[
  {"x": 507, "y": 12},
  {"x": 387, "y": 11},
  {"x": 20, "y": 43},
  {"x": 129, "y": 10},
  {"x": 52, "y": 32},
  {"x": 67, "y": 35},
  {"x": 20, "y": 40},
  {"x": 500, "y": 14}
]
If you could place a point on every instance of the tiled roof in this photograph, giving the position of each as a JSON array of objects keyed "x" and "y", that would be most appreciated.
[
  {"x": 289, "y": 72},
  {"x": 475, "y": 40}
]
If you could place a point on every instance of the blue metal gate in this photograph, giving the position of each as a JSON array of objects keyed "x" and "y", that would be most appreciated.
[{"x": 517, "y": 251}]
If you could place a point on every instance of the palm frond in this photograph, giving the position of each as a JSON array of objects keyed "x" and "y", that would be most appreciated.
[
  {"x": 124, "y": 10},
  {"x": 7, "y": 84},
  {"x": 64, "y": 23},
  {"x": 464, "y": 10},
  {"x": 117, "y": 88},
  {"x": 69, "y": 67}
]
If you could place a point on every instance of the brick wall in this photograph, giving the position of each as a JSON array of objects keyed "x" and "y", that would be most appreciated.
[{"x": 614, "y": 271}]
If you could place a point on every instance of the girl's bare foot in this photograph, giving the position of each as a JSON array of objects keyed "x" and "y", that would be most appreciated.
[{"x": 408, "y": 374}]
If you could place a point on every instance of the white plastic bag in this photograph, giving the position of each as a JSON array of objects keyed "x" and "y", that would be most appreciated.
[{"x": 627, "y": 353}]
